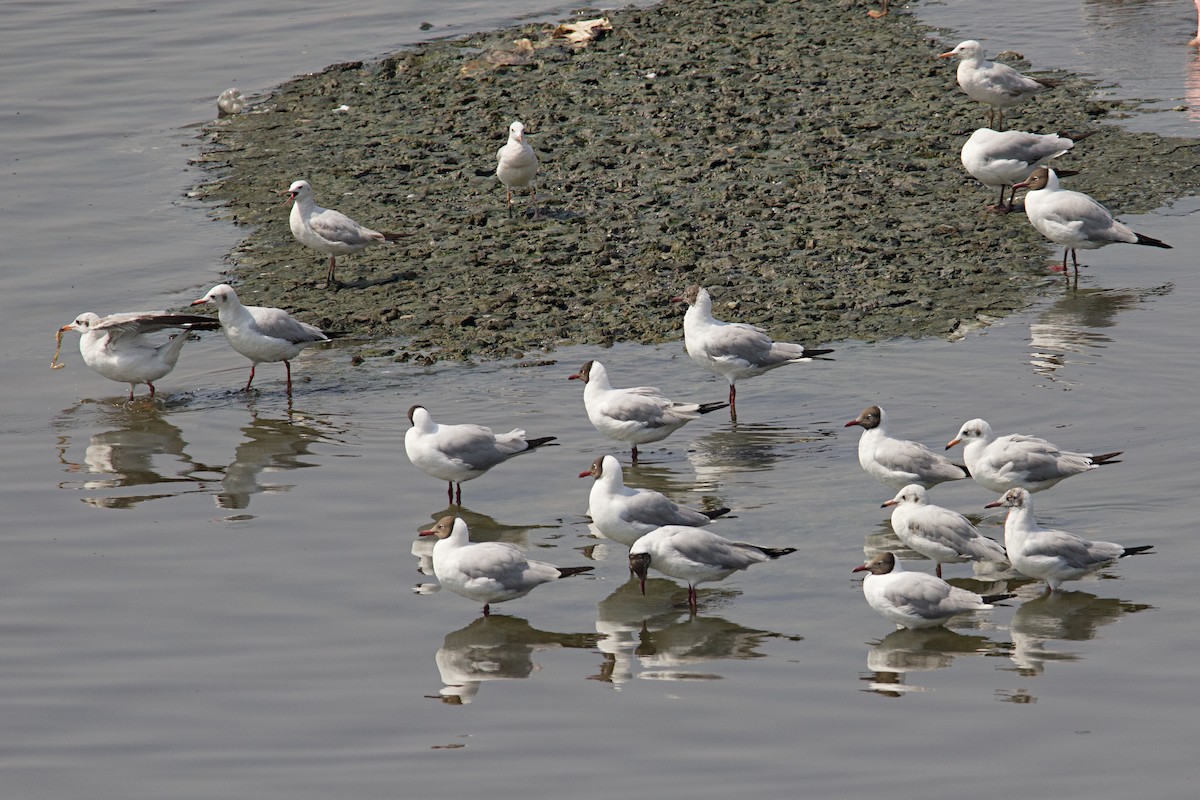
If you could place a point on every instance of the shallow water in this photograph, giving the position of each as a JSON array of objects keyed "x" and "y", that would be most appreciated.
[{"x": 222, "y": 595}]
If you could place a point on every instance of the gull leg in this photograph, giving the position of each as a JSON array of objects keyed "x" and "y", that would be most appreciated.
[
  {"x": 938, "y": 571},
  {"x": 288, "y": 366},
  {"x": 533, "y": 202},
  {"x": 450, "y": 492},
  {"x": 635, "y": 454},
  {"x": 458, "y": 495},
  {"x": 252, "y": 366},
  {"x": 510, "y": 212},
  {"x": 330, "y": 281},
  {"x": 692, "y": 598},
  {"x": 733, "y": 402},
  {"x": 487, "y": 609},
  {"x": 131, "y": 392}
]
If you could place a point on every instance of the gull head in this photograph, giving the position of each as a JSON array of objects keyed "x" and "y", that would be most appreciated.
[
  {"x": 516, "y": 132},
  {"x": 871, "y": 417},
  {"x": 585, "y": 372},
  {"x": 964, "y": 50},
  {"x": 881, "y": 564},
  {"x": 975, "y": 429},
  {"x": 694, "y": 294},
  {"x": 1040, "y": 178},
  {"x": 443, "y": 528},
  {"x": 83, "y": 323},
  {"x": 638, "y": 564},
  {"x": 913, "y": 493},
  {"x": 222, "y": 296},
  {"x": 298, "y": 191},
  {"x": 597, "y": 468},
  {"x": 1013, "y": 498}
]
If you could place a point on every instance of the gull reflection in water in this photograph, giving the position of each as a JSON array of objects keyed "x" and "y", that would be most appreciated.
[
  {"x": 750, "y": 447},
  {"x": 654, "y": 639},
  {"x": 144, "y": 450},
  {"x": 1064, "y": 616},
  {"x": 271, "y": 445},
  {"x": 1069, "y": 331},
  {"x": 905, "y": 651},
  {"x": 494, "y": 648}
]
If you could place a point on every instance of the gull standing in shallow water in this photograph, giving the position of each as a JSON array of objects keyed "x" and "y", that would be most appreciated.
[
  {"x": 899, "y": 462},
  {"x": 695, "y": 555},
  {"x": 517, "y": 165},
  {"x": 1000, "y": 463},
  {"x": 624, "y": 514},
  {"x": 1052, "y": 555},
  {"x": 487, "y": 572},
  {"x": 115, "y": 346},
  {"x": 1000, "y": 159},
  {"x": 1073, "y": 219},
  {"x": 457, "y": 453},
  {"x": 260, "y": 333},
  {"x": 998, "y": 85},
  {"x": 328, "y": 231},
  {"x": 733, "y": 349},
  {"x": 941, "y": 535},
  {"x": 638, "y": 415},
  {"x": 916, "y": 599}
]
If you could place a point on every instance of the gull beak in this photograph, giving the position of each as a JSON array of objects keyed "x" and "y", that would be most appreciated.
[
  {"x": 587, "y": 474},
  {"x": 889, "y": 503},
  {"x": 952, "y": 443},
  {"x": 199, "y": 302},
  {"x": 851, "y": 423},
  {"x": 994, "y": 504},
  {"x": 947, "y": 54},
  {"x": 426, "y": 533},
  {"x": 861, "y": 567}
]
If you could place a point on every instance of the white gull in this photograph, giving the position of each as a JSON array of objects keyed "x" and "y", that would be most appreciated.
[
  {"x": 899, "y": 462},
  {"x": 457, "y": 453},
  {"x": 517, "y": 165},
  {"x": 1048, "y": 554},
  {"x": 638, "y": 415},
  {"x": 625, "y": 514},
  {"x": 260, "y": 333},
  {"x": 1000, "y": 463},
  {"x": 1000, "y": 159},
  {"x": 328, "y": 231},
  {"x": 941, "y": 535},
  {"x": 487, "y": 572},
  {"x": 998, "y": 85},
  {"x": 916, "y": 599}
]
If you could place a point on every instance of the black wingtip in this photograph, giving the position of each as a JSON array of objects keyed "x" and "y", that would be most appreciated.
[
  {"x": 1106, "y": 458},
  {"x": 776, "y": 552},
  {"x": 715, "y": 513},
  {"x": 545, "y": 440},
  {"x": 1133, "y": 551},
  {"x": 566, "y": 572},
  {"x": 996, "y": 598},
  {"x": 707, "y": 407}
]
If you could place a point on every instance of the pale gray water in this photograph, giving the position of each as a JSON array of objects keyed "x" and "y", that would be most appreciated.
[{"x": 214, "y": 599}]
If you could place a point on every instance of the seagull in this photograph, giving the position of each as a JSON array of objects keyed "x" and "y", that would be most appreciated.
[
  {"x": 517, "y": 165},
  {"x": 115, "y": 346},
  {"x": 941, "y": 535},
  {"x": 916, "y": 599},
  {"x": 695, "y": 555},
  {"x": 624, "y": 514},
  {"x": 1000, "y": 463},
  {"x": 1052, "y": 555},
  {"x": 328, "y": 231},
  {"x": 230, "y": 102},
  {"x": 997, "y": 85},
  {"x": 1003, "y": 158},
  {"x": 457, "y": 453},
  {"x": 899, "y": 462},
  {"x": 260, "y": 333},
  {"x": 487, "y": 572},
  {"x": 1073, "y": 219},
  {"x": 733, "y": 349},
  {"x": 639, "y": 415}
]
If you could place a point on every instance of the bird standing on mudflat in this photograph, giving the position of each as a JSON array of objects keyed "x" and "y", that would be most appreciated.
[
  {"x": 998, "y": 85},
  {"x": 517, "y": 165},
  {"x": 328, "y": 231}
]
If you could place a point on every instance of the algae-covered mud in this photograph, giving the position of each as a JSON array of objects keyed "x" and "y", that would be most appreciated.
[{"x": 799, "y": 158}]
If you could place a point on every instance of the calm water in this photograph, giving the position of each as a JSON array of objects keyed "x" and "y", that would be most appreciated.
[{"x": 223, "y": 596}]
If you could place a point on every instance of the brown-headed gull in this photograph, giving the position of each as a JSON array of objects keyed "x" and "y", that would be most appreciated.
[
  {"x": 637, "y": 415},
  {"x": 116, "y": 347},
  {"x": 1000, "y": 159},
  {"x": 1000, "y": 463},
  {"x": 457, "y": 453},
  {"x": 625, "y": 514},
  {"x": 733, "y": 349},
  {"x": 1052, "y": 555},
  {"x": 260, "y": 333},
  {"x": 916, "y": 599},
  {"x": 328, "y": 231},
  {"x": 998, "y": 85},
  {"x": 487, "y": 572},
  {"x": 1073, "y": 219},
  {"x": 695, "y": 555},
  {"x": 941, "y": 535},
  {"x": 517, "y": 165},
  {"x": 899, "y": 462}
]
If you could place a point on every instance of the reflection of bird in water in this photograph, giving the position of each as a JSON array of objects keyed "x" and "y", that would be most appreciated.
[
  {"x": 751, "y": 448},
  {"x": 1066, "y": 616},
  {"x": 129, "y": 456},
  {"x": 271, "y": 445},
  {"x": 903, "y": 651},
  {"x": 665, "y": 644},
  {"x": 1069, "y": 329},
  {"x": 492, "y": 648}
]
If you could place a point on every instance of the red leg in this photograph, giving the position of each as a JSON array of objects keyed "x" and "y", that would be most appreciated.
[
  {"x": 635, "y": 454},
  {"x": 458, "y": 495},
  {"x": 450, "y": 492},
  {"x": 938, "y": 571},
  {"x": 487, "y": 609},
  {"x": 252, "y": 366},
  {"x": 733, "y": 402},
  {"x": 288, "y": 366}
]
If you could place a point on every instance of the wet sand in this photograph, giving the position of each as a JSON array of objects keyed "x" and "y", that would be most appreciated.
[{"x": 799, "y": 158}]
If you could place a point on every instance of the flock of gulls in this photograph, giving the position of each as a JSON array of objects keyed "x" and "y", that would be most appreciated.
[{"x": 662, "y": 535}]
